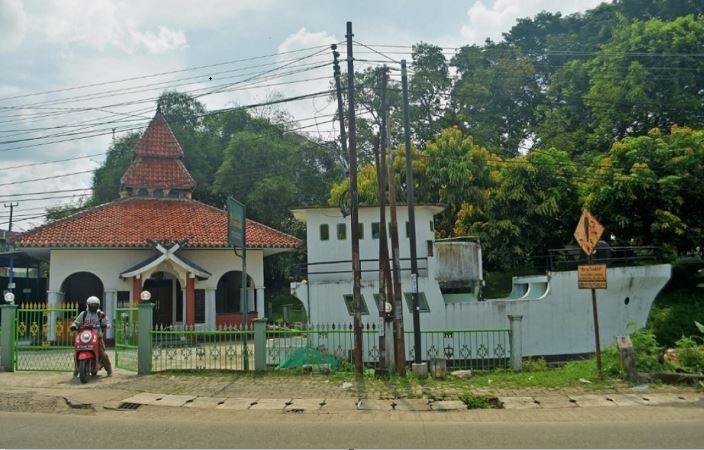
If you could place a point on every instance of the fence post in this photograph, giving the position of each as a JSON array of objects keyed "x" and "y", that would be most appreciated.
[
  {"x": 259, "y": 344},
  {"x": 144, "y": 339},
  {"x": 516, "y": 343},
  {"x": 7, "y": 337}
]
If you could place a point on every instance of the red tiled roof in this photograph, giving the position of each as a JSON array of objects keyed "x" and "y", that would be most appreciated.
[
  {"x": 158, "y": 140},
  {"x": 158, "y": 173},
  {"x": 133, "y": 222}
]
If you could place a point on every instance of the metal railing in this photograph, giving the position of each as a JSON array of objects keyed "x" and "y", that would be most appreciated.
[
  {"x": 564, "y": 259},
  {"x": 126, "y": 337},
  {"x": 478, "y": 349},
  {"x": 190, "y": 348},
  {"x": 43, "y": 339}
]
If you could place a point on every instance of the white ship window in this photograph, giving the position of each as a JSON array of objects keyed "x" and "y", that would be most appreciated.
[
  {"x": 324, "y": 232},
  {"x": 408, "y": 230},
  {"x": 375, "y": 230},
  {"x": 422, "y": 302},
  {"x": 341, "y": 232},
  {"x": 361, "y": 231},
  {"x": 432, "y": 226},
  {"x": 349, "y": 304}
]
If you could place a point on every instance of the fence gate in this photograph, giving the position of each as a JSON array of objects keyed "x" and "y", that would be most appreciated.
[
  {"x": 126, "y": 325},
  {"x": 43, "y": 339}
]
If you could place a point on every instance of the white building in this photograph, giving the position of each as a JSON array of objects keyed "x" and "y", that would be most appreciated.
[{"x": 155, "y": 237}]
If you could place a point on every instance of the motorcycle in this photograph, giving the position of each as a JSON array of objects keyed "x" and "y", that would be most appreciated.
[{"x": 86, "y": 353}]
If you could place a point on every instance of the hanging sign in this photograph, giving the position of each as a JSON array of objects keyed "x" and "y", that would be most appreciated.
[{"x": 592, "y": 276}]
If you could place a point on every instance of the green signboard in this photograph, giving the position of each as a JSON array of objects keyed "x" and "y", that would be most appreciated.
[{"x": 236, "y": 228}]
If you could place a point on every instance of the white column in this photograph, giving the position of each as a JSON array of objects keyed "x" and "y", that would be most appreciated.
[
  {"x": 110, "y": 305},
  {"x": 210, "y": 318},
  {"x": 260, "y": 303},
  {"x": 53, "y": 301}
]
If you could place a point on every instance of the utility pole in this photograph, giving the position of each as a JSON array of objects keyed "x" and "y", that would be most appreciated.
[
  {"x": 340, "y": 108},
  {"x": 354, "y": 217},
  {"x": 11, "y": 269},
  {"x": 380, "y": 157},
  {"x": 399, "y": 335},
  {"x": 411, "y": 216}
]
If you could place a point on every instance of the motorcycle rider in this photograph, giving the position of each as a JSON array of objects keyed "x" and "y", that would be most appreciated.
[{"x": 96, "y": 319}]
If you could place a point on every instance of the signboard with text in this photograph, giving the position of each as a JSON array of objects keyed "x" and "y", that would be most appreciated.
[{"x": 592, "y": 276}]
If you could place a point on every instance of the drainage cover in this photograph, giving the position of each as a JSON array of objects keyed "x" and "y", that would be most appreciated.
[{"x": 128, "y": 405}]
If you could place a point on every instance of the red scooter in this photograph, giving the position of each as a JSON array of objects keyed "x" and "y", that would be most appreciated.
[{"x": 86, "y": 351}]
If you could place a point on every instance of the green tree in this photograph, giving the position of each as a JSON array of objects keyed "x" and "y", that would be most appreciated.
[
  {"x": 106, "y": 178},
  {"x": 647, "y": 190}
]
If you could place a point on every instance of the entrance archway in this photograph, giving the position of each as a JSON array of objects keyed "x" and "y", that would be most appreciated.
[
  {"x": 78, "y": 286},
  {"x": 167, "y": 297},
  {"x": 228, "y": 297}
]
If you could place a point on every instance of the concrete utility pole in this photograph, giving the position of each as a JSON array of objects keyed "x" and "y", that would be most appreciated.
[
  {"x": 338, "y": 88},
  {"x": 411, "y": 216},
  {"x": 399, "y": 336},
  {"x": 11, "y": 269},
  {"x": 354, "y": 217},
  {"x": 380, "y": 157}
]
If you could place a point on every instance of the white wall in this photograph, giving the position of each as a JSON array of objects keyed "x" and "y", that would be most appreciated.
[
  {"x": 335, "y": 249},
  {"x": 109, "y": 264}
]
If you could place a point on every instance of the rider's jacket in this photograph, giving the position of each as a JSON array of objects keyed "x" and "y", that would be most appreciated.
[{"x": 95, "y": 320}]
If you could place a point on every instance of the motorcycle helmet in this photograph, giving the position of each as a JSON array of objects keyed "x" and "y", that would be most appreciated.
[{"x": 93, "y": 303}]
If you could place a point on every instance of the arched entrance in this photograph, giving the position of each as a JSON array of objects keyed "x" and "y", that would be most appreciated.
[
  {"x": 228, "y": 297},
  {"x": 78, "y": 286},
  {"x": 167, "y": 297}
]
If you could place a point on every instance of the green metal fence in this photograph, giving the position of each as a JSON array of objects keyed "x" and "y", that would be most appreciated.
[
  {"x": 477, "y": 349},
  {"x": 335, "y": 340},
  {"x": 190, "y": 348},
  {"x": 43, "y": 339},
  {"x": 126, "y": 328}
]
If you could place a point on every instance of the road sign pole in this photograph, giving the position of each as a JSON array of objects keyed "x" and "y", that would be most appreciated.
[{"x": 596, "y": 329}]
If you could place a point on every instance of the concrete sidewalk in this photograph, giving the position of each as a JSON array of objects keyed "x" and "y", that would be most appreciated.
[{"x": 19, "y": 391}]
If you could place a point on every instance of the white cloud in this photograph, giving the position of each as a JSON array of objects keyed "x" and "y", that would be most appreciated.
[
  {"x": 102, "y": 23},
  {"x": 490, "y": 21},
  {"x": 12, "y": 24}
]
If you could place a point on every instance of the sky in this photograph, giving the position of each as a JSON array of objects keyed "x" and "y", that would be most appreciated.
[{"x": 62, "y": 62}]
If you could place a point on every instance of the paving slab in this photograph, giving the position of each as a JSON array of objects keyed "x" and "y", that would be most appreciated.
[
  {"x": 448, "y": 405},
  {"x": 340, "y": 404},
  {"x": 592, "y": 400},
  {"x": 205, "y": 402},
  {"x": 665, "y": 399},
  {"x": 172, "y": 400},
  {"x": 271, "y": 404},
  {"x": 144, "y": 398},
  {"x": 555, "y": 401},
  {"x": 627, "y": 399},
  {"x": 411, "y": 404},
  {"x": 367, "y": 404},
  {"x": 518, "y": 403},
  {"x": 237, "y": 403},
  {"x": 305, "y": 404}
]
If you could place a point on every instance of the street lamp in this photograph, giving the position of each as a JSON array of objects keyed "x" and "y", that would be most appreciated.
[
  {"x": 10, "y": 298},
  {"x": 145, "y": 296}
]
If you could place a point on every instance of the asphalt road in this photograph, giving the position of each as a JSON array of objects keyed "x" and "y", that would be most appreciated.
[{"x": 634, "y": 427}]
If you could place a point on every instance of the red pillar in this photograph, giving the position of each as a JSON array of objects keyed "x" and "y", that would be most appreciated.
[
  {"x": 136, "y": 290},
  {"x": 190, "y": 300}
]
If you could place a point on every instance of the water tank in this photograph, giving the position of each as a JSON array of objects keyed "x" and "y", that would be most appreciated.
[{"x": 458, "y": 263}]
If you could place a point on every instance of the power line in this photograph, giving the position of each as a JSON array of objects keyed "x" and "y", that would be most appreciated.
[{"x": 104, "y": 83}]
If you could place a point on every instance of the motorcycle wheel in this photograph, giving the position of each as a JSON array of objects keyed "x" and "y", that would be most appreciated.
[{"x": 83, "y": 370}]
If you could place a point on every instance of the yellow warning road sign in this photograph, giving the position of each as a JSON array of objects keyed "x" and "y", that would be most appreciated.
[{"x": 588, "y": 232}]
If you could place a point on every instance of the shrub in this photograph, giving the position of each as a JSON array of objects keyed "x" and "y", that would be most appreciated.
[
  {"x": 477, "y": 402},
  {"x": 690, "y": 355},
  {"x": 647, "y": 351},
  {"x": 534, "y": 365},
  {"x": 611, "y": 362}
]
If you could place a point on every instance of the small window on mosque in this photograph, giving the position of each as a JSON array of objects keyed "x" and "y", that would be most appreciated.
[
  {"x": 158, "y": 193},
  {"x": 143, "y": 192},
  {"x": 324, "y": 232},
  {"x": 174, "y": 194},
  {"x": 129, "y": 191},
  {"x": 341, "y": 231},
  {"x": 349, "y": 303}
]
